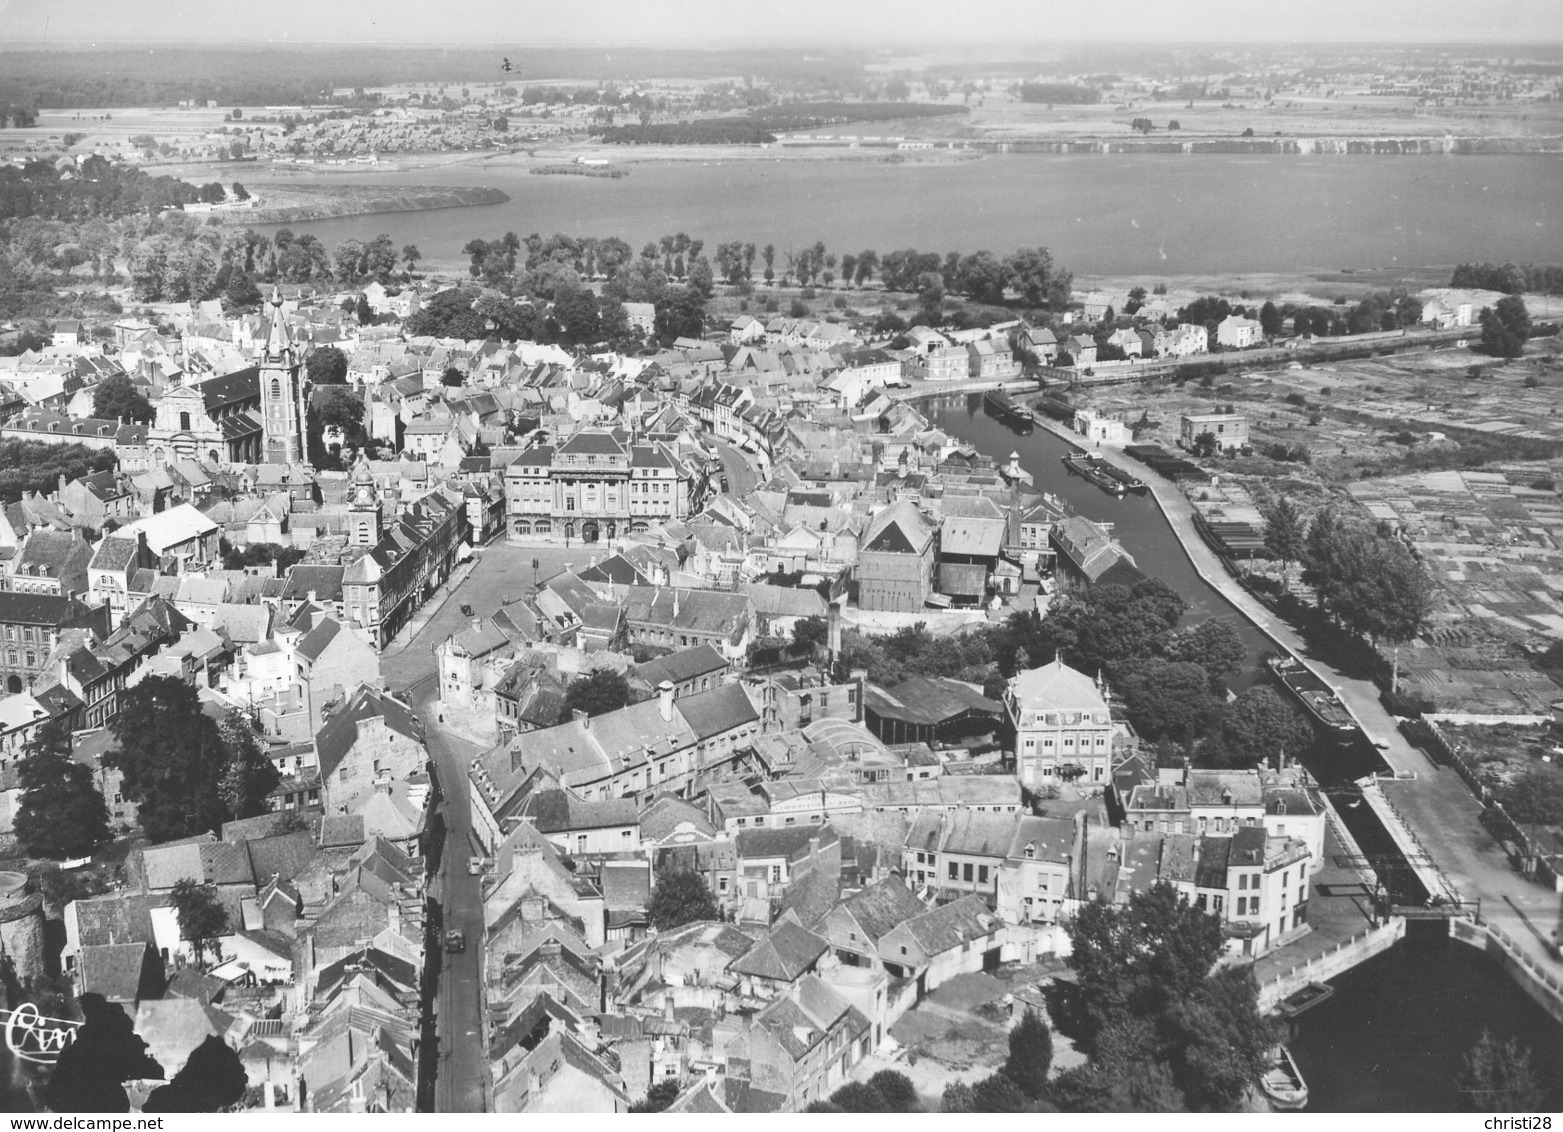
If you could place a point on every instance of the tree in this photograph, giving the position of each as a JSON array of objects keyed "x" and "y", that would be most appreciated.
[
  {"x": 1534, "y": 796},
  {"x": 1498, "y": 1077},
  {"x": 1497, "y": 339},
  {"x": 1214, "y": 644},
  {"x": 1512, "y": 313},
  {"x": 680, "y": 897},
  {"x": 596, "y": 693},
  {"x": 326, "y": 365},
  {"x": 658, "y": 1097},
  {"x": 896, "y": 1090},
  {"x": 172, "y": 756},
  {"x": 213, "y": 193},
  {"x": 1270, "y": 320},
  {"x": 62, "y": 812},
  {"x": 453, "y": 378},
  {"x": 1217, "y": 1041},
  {"x": 1261, "y": 725},
  {"x": 1205, "y": 444},
  {"x": 680, "y": 313},
  {"x": 250, "y": 776},
  {"x": 958, "y": 1098},
  {"x": 1030, "y": 1054},
  {"x": 202, "y": 917},
  {"x": 998, "y": 1094},
  {"x": 212, "y": 1080},
  {"x": 117, "y": 398},
  {"x": 238, "y": 190},
  {"x": 1285, "y": 535},
  {"x": 1170, "y": 699},
  {"x": 1135, "y": 960},
  {"x": 808, "y": 633},
  {"x": 411, "y": 255},
  {"x": 858, "y": 1096}
]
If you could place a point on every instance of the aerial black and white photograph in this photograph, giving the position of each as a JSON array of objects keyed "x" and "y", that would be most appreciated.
[{"x": 897, "y": 556}]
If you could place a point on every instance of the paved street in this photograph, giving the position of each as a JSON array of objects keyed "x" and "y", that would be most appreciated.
[
  {"x": 1437, "y": 805},
  {"x": 409, "y": 667},
  {"x": 740, "y": 469}
]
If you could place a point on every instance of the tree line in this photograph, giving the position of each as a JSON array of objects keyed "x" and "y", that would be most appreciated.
[{"x": 1512, "y": 279}]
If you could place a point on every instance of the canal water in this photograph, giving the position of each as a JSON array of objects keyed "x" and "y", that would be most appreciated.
[
  {"x": 1135, "y": 520},
  {"x": 1392, "y": 1036}
]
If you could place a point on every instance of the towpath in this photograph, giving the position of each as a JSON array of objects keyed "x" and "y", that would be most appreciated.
[{"x": 1435, "y": 805}]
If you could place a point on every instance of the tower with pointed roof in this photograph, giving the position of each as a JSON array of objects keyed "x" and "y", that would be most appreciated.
[
  {"x": 282, "y": 392},
  {"x": 363, "y": 507}
]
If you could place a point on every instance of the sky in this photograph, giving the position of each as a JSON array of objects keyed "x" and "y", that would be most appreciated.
[{"x": 822, "y": 23}]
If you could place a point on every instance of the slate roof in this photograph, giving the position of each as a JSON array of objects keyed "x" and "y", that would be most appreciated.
[
  {"x": 787, "y": 952},
  {"x": 898, "y": 529},
  {"x": 1056, "y": 686},
  {"x": 951, "y": 925},
  {"x": 880, "y": 907},
  {"x": 334, "y": 740},
  {"x": 717, "y": 710},
  {"x": 114, "y": 970},
  {"x": 685, "y": 664}
]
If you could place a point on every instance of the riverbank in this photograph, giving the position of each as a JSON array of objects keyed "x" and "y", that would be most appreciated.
[{"x": 295, "y": 204}]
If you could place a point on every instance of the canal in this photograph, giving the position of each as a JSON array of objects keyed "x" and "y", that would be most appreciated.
[
  {"x": 1392, "y": 1036},
  {"x": 1135, "y": 520}
]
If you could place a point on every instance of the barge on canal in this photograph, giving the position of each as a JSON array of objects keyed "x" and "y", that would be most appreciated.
[
  {"x": 1002, "y": 406},
  {"x": 1317, "y": 698},
  {"x": 1102, "y": 474}
]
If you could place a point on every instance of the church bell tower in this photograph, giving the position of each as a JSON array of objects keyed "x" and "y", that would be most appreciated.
[
  {"x": 282, "y": 393},
  {"x": 363, "y": 507}
]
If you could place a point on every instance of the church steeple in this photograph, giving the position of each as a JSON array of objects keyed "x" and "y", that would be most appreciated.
[
  {"x": 281, "y": 392},
  {"x": 279, "y": 343}
]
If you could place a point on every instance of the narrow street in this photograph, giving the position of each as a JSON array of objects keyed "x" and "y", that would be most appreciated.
[
  {"x": 1436, "y": 804},
  {"x": 410, "y": 668}
]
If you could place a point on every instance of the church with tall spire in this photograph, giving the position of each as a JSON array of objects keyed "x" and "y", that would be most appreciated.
[{"x": 282, "y": 392}]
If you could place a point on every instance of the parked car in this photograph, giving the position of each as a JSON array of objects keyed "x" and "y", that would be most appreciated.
[
  {"x": 466, "y": 610},
  {"x": 476, "y": 865},
  {"x": 725, "y": 486},
  {"x": 455, "y": 941}
]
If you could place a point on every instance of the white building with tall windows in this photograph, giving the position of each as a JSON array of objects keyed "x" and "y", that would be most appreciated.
[
  {"x": 597, "y": 484},
  {"x": 1060, "y": 719}
]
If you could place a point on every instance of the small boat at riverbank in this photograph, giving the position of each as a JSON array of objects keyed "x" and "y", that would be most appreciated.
[
  {"x": 1005, "y": 408},
  {"x": 1283, "y": 1082},
  {"x": 1306, "y": 999},
  {"x": 1081, "y": 464},
  {"x": 1317, "y": 698}
]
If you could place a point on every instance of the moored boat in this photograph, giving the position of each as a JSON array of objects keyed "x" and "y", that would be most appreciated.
[
  {"x": 1317, "y": 698},
  {"x": 1001, "y": 405},
  {"x": 1283, "y": 1082},
  {"x": 1117, "y": 474},
  {"x": 1080, "y": 464},
  {"x": 1306, "y": 999}
]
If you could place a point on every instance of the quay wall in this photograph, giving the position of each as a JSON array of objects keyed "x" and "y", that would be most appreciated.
[
  {"x": 1358, "y": 949},
  {"x": 1545, "y": 988}
]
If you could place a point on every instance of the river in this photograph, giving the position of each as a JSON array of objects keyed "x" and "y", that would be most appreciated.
[{"x": 1148, "y": 215}]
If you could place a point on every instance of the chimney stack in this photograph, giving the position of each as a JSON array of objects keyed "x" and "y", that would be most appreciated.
[
  {"x": 833, "y": 633},
  {"x": 665, "y": 698}
]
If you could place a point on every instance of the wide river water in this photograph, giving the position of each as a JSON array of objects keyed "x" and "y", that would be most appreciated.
[
  {"x": 1392, "y": 1037},
  {"x": 1150, "y": 215}
]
